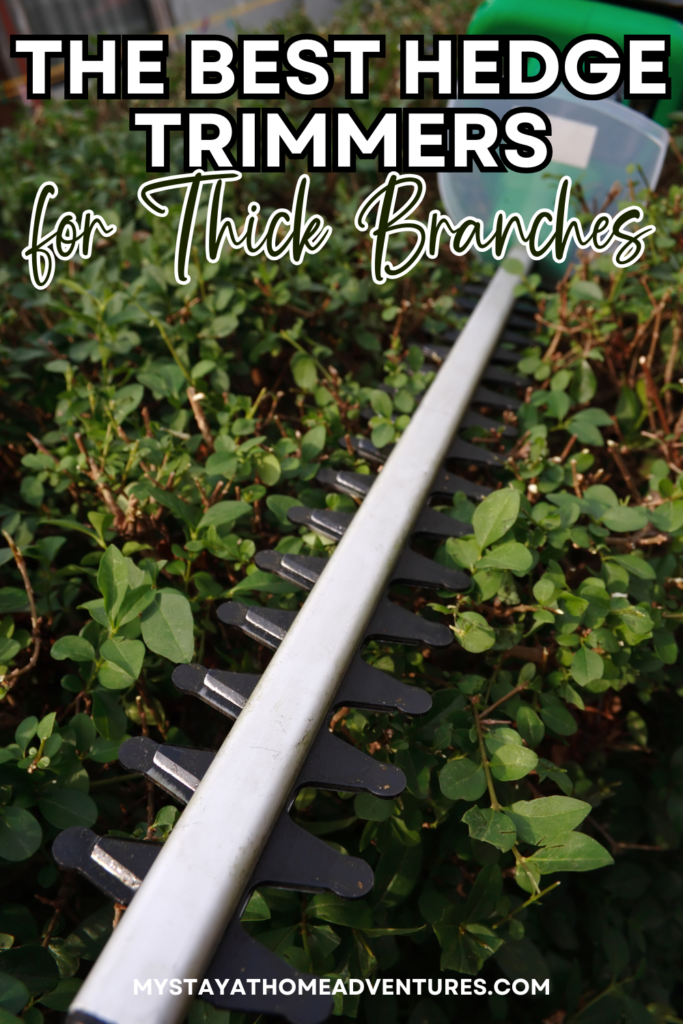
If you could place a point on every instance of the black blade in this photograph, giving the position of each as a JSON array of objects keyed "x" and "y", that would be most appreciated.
[
  {"x": 429, "y": 523},
  {"x": 115, "y": 866},
  {"x": 503, "y": 376},
  {"x": 331, "y": 763},
  {"x": 228, "y": 692},
  {"x": 241, "y": 956},
  {"x": 411, "y": 568},
  {"x": 465, "y": 451},
  {"x": 389, "y": 622},
  {"x": 362, "y": 687},
  {"x": 485, "y": 396},
  {"x": 472, "y": 418}
]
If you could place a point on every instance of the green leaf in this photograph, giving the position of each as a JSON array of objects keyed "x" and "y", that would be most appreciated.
[
  {"x": 266, "y": 582},
  {"x": 584, "y": 384},
  {"x": 66, "y": 807},
  {"x": 85, "y": 731},
  {"x": 33, "y": 966},
  {"x": 559, "y": 719},
  {"x": 13, "y": 599},
  {"x": 112, "y": 580},
  {"x": 61, "y": 997},
  {"x": 381, "y": 403},
  {"x": 460, "y": 952},
  {"x": 108, "y": 715},
  {"x": 187, "y": 514},
  {"x": 127, "y": 655},
  {"x": 87, "y": 940},
  {"x": 396, "y": 875},
  {"x": 636, "y": 566},
  {"x": 485, "y": 894},
  {"x": 668, "y": 517},
  {"x": 46, "y": 726},
  {"x": 134, "y": 603},
  {"x": 462, "y": 779},
  {"x": 464, "y": 551},
  {"x": 378, "y": 933},
  {"x": 489, "y": 826},
  {"x": 224, "y": 325},
  {"x": 512, "y": 762},
  {"x": 494, "y": 516},
  {"x": 474, "y": 633},
  {"x": 530, "y": 726},
  {"x": 20, "y": 834},
  {"x": 511, "y": 555},
  {"x": 14, "y": 994},
  {"x": 637, "y": 620},
  {"x": 382, "y": 435},
  {"x": 586, "y": 290},
  {"x": 167, "y": 626},
  {"x": 279, "y": 504},
  {"x": 74, "y": 648},
  {"x": 25, "y": 732},
  {"x": 372, "y": 808},
  {"x": 224, "y": 513},
  {"x": 313, "y": 443},
  {"x": 8, "y": 649},
  {"x": 665, "y": 646},
  {"x": 304, "y": 371},
  {"x": 268, "y": 468},
  {"x": 586, "y": 666},
  {"x": 32, "y": 491},
  {"x": 222, "y": 464},
  {"x": 104, "y": 751},
  {"x": 625, "y": 518},
  {"x": 537, "y": 821},
  {"x": 329, "y": 907},
  {"x": 571, "y": 851},
  {"x": 256, "y": 909}
]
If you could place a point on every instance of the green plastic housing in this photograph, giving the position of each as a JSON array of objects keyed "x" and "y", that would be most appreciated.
[{"x": 565, "y": 20}]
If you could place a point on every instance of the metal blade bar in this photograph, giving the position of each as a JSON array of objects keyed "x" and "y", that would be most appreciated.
[{"x": 195, "y": 885}]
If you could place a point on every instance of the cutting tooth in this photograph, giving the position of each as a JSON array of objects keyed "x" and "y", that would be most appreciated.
[{"x": 389, "y": 622}]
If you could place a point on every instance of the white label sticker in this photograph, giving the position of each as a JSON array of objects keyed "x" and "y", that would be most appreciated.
[{"x": 572, "y": 141}]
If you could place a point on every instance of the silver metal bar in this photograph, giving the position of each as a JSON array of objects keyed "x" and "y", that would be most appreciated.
[{"x": 178, "y": 916}]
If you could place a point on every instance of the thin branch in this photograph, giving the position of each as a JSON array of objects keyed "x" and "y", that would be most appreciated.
[
  {"x": 654, "y": 394},
  {"x": 616, "y": 846},
  {"x": 613, "y": 448},
  {"x": 523, "y": 906},
  {"x": 512, "y": 693},
  {"x": 11, "y": 677},
  {"x": 195, "y": 398}
]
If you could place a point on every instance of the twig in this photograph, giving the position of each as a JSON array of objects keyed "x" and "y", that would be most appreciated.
[
  {"x": 11, "y": 677},
  {"x": 656, "y": 329},
  {"x": 568, "y": 447},
  {"x": 654, "y": 394},
  {"x": 195, "y": 398},
  {"x": 617, "y": 847},
  {"x": 105, "y": 492},
  {"x": 613, "y": 448},
  {"x": 513, "y": 693},
  {"x": 527, "y": 903},
  {"x": 169, "y": 344},
  {"x": 670, "y": 365},
  {"x": 520, "y": 861},
  {"x": 550, "y": 351},
  {"x": 576, "y": 482}
]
